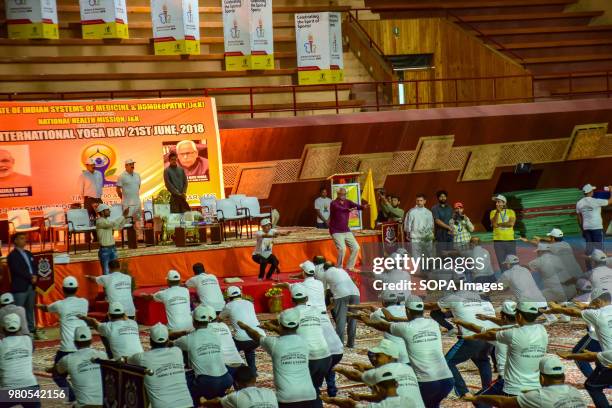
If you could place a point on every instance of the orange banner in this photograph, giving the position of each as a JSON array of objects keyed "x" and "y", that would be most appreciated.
[{"x": 44, "y": 145}]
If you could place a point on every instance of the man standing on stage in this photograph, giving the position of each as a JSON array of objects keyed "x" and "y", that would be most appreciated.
[
  {"x": 128, "y": 190},
  {"x": 340, "y": 211},
  {"x": 90, "y": 188},
  {"x": 104, "y": 230},
  {"x": 175, "y": 180},
  {"x": 590, "y": 221}
]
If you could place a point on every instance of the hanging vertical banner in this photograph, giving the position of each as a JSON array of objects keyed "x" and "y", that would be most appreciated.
[
  {"x": 176, "y": 27},
  {"x": 336, "y": 57},
  {"x": 312, "y": 45},
  {"x": 261, "y": 41},
  {"x": 236, "y": 34},
  {"x": 34, "y": 19},
  {"x": 103, "y": 19}
]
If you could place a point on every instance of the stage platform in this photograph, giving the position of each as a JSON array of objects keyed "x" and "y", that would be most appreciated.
[{"x": 231, "y": 258}]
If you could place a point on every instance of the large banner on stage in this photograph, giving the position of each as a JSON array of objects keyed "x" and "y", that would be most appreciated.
[{"x": 44, "y": 145}]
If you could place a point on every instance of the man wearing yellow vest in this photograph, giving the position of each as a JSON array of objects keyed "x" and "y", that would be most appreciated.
[{"x": 502, "y": 221}]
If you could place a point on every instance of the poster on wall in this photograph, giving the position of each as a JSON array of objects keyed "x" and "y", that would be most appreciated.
[
  {"x": 103, "y": 19},
  {"x": 353, "y": 193},
  {"x": 176, "y": 27},
  {"x": 261, "y": 39},
  {"x": 109, "y": 133},
  {"x": 31, "y": 19},
  {"x": 236, "y": 34},
  {"x": 336, "y": 57},
  {"x": 312, "y": 45}
]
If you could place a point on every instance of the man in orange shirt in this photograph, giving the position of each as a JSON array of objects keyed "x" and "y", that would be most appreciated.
[{"x": 8, "y": 177}]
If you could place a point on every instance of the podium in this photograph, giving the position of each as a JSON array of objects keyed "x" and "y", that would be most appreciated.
[{"x": 123, "y": 384}]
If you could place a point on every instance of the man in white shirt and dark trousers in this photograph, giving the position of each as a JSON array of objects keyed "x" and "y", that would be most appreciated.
[
  {"x": 419, "y": 229},
  {"x": 117, "y": 287},
  {"x": 209, "y": 378},
  {"x": 16, "y": 370},
  {"x": 68, "y": 310},
  {"x": 128, "y": 190},
  {"x": 601, "y": 274},
  {"x": 321, "y": 206},
  {"x": 85, "y": 375},
  {"x": 167, "y": 386},
  {"x": 289, "y": 355},
  {"x": 176, "y": 300},
  {"x": 105, "y": 232},
  {"x": 238, "y": 309},
  {"x": 207, "y": 286},
  {"x": 262, "y": 254},
  {"x": 90, "y": 185},
  {"x": 588, "y": 209},
  {"x": 345, "y": 293}
]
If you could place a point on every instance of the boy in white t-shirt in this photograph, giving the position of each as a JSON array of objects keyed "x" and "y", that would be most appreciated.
[
  {"x": 588, "y": 209},
  {"x": 68, "y": 310},
  {"x": 207, "y": 285},
  {"x": 262, "y": 254},
  {"x": 176, "y": 300}
]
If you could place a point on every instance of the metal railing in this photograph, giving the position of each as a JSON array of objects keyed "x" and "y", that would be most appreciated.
[{"x": 416, "y": 90}]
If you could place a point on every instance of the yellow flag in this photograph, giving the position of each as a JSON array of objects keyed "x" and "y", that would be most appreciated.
[{"x": 369, "y": 195}]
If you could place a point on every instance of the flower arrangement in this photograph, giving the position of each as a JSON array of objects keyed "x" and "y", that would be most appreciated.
[{"x": 274, "y": 292}]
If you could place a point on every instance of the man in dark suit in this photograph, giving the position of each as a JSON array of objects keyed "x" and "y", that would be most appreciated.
[{"x": 23, "y": 278}]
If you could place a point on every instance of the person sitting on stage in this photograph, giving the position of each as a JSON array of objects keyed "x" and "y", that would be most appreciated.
[
  {"x": 237, "y": 309},
  {"x": 166, "y": 386},
  {"x": 289, "y": 355},
  {"x": 207, "y": 285},
  {"x": 209, "y": 378},
  {"x": 262, "y": 254},
  {"x": 16, "y": 370},
  {"x": 554, "y": 391},
  {"x": 600, "y": 379},
  {"x": 176, "y": 300},
  {"x": 246, "y": 394},
  {"x": 8, "y": 306},
  {"x": 231, "y": 355},
  {"x": 120, "y": 334},
  {"x": 67, "y": 310},
  {"x": 85, "y": 375},
  {"x": 104, "y": 231},
  {"x": 384, "y": 357},
  {"x": 117, "y": 287}
]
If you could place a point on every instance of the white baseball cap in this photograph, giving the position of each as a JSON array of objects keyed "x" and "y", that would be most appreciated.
[
  {"x": 415, "y": 303},
  {"x": 500, "y": 197},
  {"x": 289, "y": 318},
  {"x": 555, "y": 232},
  {"x": 82, "y": 333},
  {"x": 387, "y": 347},
  {"x": 265, "y": 221},
  {"x": 298, "y": 291},
  {"x": 551, "y": 365},
  {"x": 11, "y": 322},
  {"x": 528, "y": 307},
  {"x": 388, "y": 296},
  {"x": 384, "y": 375},
  {"x": 90, "y": 161},
  {"x": 116, "y": 308},
  {"x": 308, "y": 268},
  {"x": 173, "y": 275},
  {"x": 543, "y": 247},
  {"x": 233, "y": 291},
  {"x": 7, "y": 299},
  {"x": 509, "y": 307},
  {"x": 204, "y": 313},
  {"x": 70, "y": 282},
  {"x": 159, "y": 333},
  {"x": 511, "y": 259},
  {"x": 130, "y": 161},
  {"x": 102, "y": 207},
  {"x": 584, "y": 285},
  {"x": 587, "y": 188},
  {"x": 597, "y": 292},
  {"x": 598, "y": 255}
]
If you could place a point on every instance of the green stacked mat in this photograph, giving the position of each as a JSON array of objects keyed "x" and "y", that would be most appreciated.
[{"x": 538, "y": 211}]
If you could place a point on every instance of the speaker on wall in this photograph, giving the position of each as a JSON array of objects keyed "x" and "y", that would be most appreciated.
[{"x": 522, "y": 168}]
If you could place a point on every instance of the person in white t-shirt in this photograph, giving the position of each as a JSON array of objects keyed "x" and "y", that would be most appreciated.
[
  {"x": 246, "y": 394},
  {"x": 486, "y": 274},
  {"x": 321, "y": 206},
  {"x": 262, "y": 255},
  {"x": 588, "y": 209},
  {"x": 16, "y": 370},
  {"x": 526, "y": 346},
  {"x": 598, "y": 380},
  {"x": 601, "y": 274},
  {"x": 384, "y": 357},
  {"x": 289, "y": 355},
  {"x": 550, "y": 267},
  {"x": 207, "y": 285},
  {"x": 176, "y": 300},
  {"x": 68, "y": 310},
  {"x": 424, "y": 345},
  {"x": 121, "y": 333},
  {"x": 117, "y": 286},
  {"x": 345, "y": 293},
  {"x": 394, "y": 305},
  {"x": 85, "y": 375},
  {"x": 313, "y": 287},
  {"x": 419, "y": 229},
  {"x": 209, "y": 378},
  {"x": 553, "y": 392},
  {"x": 128, "y": 190},
  {"x": 238, "y": 309},
  {"x": 231, "y": 355},
  {"x": 167, "y": 385}
]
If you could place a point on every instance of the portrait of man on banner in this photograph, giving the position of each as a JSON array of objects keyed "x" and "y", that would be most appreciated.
[
  {"x": 192, "y": 157},
  {"x": 15, "y": 173}
]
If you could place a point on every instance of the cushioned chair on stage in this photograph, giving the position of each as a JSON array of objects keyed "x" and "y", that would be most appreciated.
[
  {"x": 231, "y": 213},
  {"x": 55, "y": 221},
  {"x": 116, "y": 212},
  {"x": 254, "y": 211},
  {"x": 20, "y": 221},
  {"x": 78, "y": 223}
]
